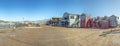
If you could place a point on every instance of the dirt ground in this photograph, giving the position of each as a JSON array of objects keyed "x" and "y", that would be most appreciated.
[{"x": 58, "y": 36}]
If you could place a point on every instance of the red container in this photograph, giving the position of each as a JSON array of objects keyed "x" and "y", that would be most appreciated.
[
  {"x": 96, "y": 25},
  {"x": 84, "y": 20},
  {"x": 104, "y": 24},
  {"x": 90, "y": 23}
]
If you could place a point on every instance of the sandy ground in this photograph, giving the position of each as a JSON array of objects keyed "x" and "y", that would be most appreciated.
[{"x": 58, "y": 36}]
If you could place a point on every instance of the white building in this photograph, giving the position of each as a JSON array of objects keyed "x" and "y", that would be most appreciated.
[{"x": 72, "y": 20}]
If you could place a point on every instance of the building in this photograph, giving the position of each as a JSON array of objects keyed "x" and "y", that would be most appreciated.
[
  {"x": 84, "y": 21},
  {"x": 118, "y": 21},
  {"x": 113, "y": 21},
  {"x": 70, "y": 20}
]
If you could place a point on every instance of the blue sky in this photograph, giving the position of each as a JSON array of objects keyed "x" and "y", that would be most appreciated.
[{"x": 16, "y": 10}]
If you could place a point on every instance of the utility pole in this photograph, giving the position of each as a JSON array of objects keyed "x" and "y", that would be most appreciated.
[{"x": 23, "y": 22}]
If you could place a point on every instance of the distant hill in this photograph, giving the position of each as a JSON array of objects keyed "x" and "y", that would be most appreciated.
[
  {"x": 37, "y": 21},
  {"x": 43, "y": 21},
  {"x": 2, "y": 21}
]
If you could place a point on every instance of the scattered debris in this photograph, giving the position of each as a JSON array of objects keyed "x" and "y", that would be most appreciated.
[
  {"x": 2, "y": 31},
  {"x": 12, "y": 35},
  {"x": 115, "y": 31}
]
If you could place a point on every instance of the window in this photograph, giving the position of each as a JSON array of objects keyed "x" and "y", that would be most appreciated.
[{"x": 72, "y": 17}]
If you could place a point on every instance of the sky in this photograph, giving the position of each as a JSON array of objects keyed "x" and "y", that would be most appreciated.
[{"x": 16, "y": 10}]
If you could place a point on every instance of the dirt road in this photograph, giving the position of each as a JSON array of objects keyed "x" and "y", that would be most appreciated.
[{"x": 58, "y": 36}]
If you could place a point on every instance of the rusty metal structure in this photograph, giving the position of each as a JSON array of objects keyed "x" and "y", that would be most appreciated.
[{"x": 84, "y": 21}]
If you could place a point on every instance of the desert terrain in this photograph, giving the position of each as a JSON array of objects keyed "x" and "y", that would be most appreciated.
[{"x": 57, "y": 36}]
